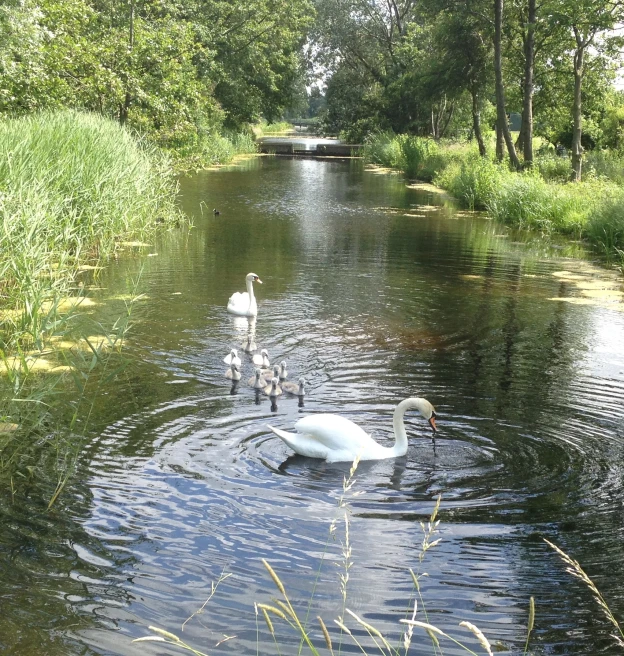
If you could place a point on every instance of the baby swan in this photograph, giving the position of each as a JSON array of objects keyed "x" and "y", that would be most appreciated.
[
  {"x": 337, "y": 439},
  {"x": 273, "y": 389},
  {"x": 283, "y": 374},
  {"x": 232, "y": 357},
  {"x": 268, "y": 374},
  {"x": 257, "y": 381},
  {"x": 249, "y": 346},
  {"x": 233, "y": 373},
  {"x": 298, "y": 389},
  {"x": 262, "y": 359}
]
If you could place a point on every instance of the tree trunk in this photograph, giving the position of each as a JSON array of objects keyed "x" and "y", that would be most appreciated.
[
  {"x": 529, "y": 67},
  {"x": 577, "y": 130},
  {"x": 447, "y": 121},
  {"x": 501, "y": 115},
  {"x": 125, "y": 106},
  {"x": 476, "y": 121},
  {"x": 500, "y": 143}
]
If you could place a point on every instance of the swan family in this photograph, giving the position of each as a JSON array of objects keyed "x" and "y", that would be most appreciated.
[{"x": 327, "y": 436}]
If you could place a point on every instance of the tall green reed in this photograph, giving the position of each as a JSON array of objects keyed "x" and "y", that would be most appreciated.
[{"x": 72, "y": 185}]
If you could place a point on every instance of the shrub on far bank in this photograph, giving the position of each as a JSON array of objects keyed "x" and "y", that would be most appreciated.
[
  {"x": 526, "y": 200},
  {"x": 473, "y": 181},
  {"x": 541, "y": 198},
  {"x": 606, "y": 227},
  {"x": 605, "y": 164},
  {"x": 212, "y": 148}
]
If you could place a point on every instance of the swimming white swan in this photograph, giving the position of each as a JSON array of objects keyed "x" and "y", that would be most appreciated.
[
  {"x": 244, "y": 305},
  {"x": 337, "y": 439},
  {"x": 273, "y": 389},
  {"x": 232, "y": 356},
  {"x": 283, "y": 374},
  {"x": 233, "y": 373},
  {"x": 262, "y": 359},
  {"x": 257, "y": 381},
  {"x": 298, "y": 389}
]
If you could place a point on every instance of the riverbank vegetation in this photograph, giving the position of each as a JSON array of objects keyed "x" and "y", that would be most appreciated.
[
  {"x": 74, "y": 188},
  {"x": 515, "y": 100},
  {"x": 539, "y": 198}
]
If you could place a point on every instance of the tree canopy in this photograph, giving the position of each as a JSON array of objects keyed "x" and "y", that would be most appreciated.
[{"x": 169, "y": 69}]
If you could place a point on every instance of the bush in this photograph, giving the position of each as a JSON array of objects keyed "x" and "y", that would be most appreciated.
[
  {"x": 382, "y": 148},
  {"x": 552, "y": 167},
  {"x": 474, "y": 182},
  {"x": 606, "y": 226},
  {"x": 606, "y": 164}
]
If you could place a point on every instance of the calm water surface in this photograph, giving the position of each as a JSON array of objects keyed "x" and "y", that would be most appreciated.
[{"x": 375, "y": 292}]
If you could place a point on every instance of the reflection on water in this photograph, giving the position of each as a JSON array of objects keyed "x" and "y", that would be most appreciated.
[{"x": 374, "y": 292}]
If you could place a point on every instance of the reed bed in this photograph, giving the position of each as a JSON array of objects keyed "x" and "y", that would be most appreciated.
[
  {"x": 541, "y": 198},
  {"x": 211, "y": 148},
  {"x": 73, "y": 186}
]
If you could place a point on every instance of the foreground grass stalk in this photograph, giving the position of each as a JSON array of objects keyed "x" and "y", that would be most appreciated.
[
  {"x": 530, "y": 624},
  {"x": 574, "y": 568},
  {"x": 170, "y": 639},
  {"x": 291, "y": 611}
]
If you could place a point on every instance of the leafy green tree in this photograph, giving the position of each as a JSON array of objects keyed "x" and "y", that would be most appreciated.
[{"x": 590, "y": 24}]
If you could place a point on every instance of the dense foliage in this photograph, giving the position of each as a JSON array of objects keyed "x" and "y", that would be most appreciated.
[
  {"x": 457, "y": 68},
  {"x": 178, "y": 72}
]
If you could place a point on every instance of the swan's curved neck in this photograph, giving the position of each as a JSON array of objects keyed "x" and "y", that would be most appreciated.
[
  {"x": 400, "y": 436},
  {"x": 250, "y": 289},
  {"x": 252, "y": 299}
]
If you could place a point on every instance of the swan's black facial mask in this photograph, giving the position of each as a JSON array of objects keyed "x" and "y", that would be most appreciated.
[{"x": 256, "y": 279}]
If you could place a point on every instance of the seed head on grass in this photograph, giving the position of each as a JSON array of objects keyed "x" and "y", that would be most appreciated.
[
  {"x": 530, "y": 623},
  {"x": 326, "y": 635},
  {"x": 267, "y": 619},
  {"x": 275, "y": 577},
  {"x": 577, "y": 571},
  {"x": 483, "y": 641},
  {"x": 272, "y": 609}
]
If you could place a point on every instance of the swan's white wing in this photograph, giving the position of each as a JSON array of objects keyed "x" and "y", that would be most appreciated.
[
  {"x": 257, "y": 359},
  {"x": 239, "y": 298},
  {"x": 334, "y": 432},
  {"x": 302, "y": 444}
]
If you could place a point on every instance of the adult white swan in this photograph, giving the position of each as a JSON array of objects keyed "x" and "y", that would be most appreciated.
[
  {"x": 337, "y": 439},
  {"x": 244, "y": 304}
]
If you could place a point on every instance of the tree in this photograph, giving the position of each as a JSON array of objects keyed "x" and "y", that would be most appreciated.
[
  {"x": 501, "y": 114},
  {"x": 588, "y": 23}
]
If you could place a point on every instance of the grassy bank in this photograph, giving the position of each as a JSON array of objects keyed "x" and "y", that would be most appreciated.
[
  {"x": 73, "y": 187},
  {"x": 209, "y": 149},
  {"x": 540, "y": 198}
]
